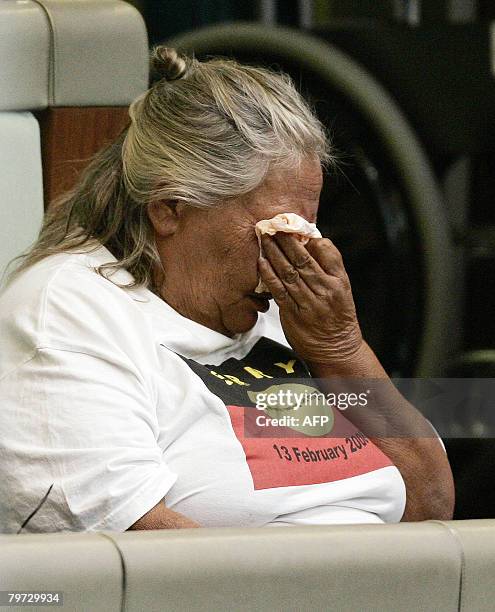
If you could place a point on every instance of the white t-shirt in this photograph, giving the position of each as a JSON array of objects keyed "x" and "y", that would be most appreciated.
[{"x": 112, "y": 401}]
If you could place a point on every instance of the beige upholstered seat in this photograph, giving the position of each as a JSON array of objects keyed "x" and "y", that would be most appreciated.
[
  {"x": 21, "y": 186},
  {"x": 440, "y": 566},
  {"x": 24, "y": 52},
  {"x": 56, "y": 54},
  {"x": 86, "y": 567}
]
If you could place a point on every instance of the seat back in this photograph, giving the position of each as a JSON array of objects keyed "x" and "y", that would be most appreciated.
[
  {"x": 68, "y": 70},
  {"x": 24, "y": 53},
  {"x": 21, "y": 184}
]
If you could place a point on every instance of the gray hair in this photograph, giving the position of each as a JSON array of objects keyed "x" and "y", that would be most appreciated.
[{"x": 205, "y": 132}]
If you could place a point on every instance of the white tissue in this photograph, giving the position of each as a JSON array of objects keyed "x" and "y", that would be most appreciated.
[{"x": 289, "y": 223}]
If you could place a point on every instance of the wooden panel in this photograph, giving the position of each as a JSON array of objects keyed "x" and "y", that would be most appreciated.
[{"x": 70, "y": 137}]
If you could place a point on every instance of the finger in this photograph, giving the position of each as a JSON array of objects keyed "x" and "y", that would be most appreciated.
[
  {"x": 302, "y": 260},
  {"x": 272, "y": 282},
  {"x": 285, "y": 271},
  {"x": 327, "y": 255}
]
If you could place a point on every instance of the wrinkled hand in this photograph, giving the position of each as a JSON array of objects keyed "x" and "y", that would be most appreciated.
[{"x": 313, "y": 292}]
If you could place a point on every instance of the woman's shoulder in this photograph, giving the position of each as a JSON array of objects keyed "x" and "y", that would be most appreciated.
[
  {"x": 69, "y": 272},
  {"x": 63, "y": 302}
]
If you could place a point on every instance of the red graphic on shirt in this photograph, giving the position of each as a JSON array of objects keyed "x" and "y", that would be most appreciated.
[{"x": 281, "y": 459}]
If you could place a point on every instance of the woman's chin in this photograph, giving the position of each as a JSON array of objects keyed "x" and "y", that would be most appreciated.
[{"x": 242, "y": 320}]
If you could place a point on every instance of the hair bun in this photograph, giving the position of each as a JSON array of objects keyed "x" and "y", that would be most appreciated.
[{"x": 167, "y": 64}]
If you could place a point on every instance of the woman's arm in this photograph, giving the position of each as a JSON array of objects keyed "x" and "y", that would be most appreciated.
[
  {"x": 161, "y": 517},
  {"x": 419, "y": 455},
  {"x": 317, "y": 313}
]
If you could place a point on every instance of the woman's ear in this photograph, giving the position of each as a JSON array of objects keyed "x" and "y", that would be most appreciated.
[{"x": 164, "y": 216}]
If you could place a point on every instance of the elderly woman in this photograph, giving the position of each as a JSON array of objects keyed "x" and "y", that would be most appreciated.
[{"x": 132, "y": 334}]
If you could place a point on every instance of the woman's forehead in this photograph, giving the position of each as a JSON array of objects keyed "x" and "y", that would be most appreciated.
[
  {"x": 307, "y": 178},
  {"x": 290, "y": 191}
]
